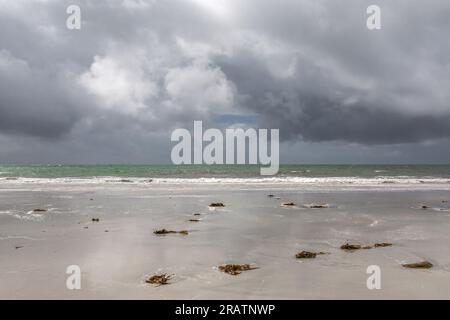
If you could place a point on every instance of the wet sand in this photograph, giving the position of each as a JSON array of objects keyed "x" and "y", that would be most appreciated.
[{"x": 117, "y": 253}]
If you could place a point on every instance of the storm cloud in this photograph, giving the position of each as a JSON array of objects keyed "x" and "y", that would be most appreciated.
[{"x": 114, "y": 90}]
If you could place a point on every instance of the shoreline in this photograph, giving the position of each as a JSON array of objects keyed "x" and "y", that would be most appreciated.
[{"x": 385, "y": 180}]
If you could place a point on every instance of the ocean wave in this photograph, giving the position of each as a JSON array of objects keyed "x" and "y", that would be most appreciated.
[{"x": 381, "y": 180}]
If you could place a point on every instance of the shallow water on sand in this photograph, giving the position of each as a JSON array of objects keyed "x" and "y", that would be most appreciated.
[{"x": 37, "y": 247}]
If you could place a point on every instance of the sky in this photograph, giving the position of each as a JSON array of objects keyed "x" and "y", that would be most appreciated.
[{"x": 114, "y": 90}]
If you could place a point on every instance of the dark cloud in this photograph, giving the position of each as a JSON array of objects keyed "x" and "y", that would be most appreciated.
[
  {"x": 342, "y": 82},
  {"x": 137, "y": 69},
  {"x": 32, "y": 102},
  {"x": 324, "y": 121}
]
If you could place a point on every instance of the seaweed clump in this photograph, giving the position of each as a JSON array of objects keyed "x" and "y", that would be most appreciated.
[
  {"x": 307, "y": 255},
  {"x": 351, "y": 247},
  {"x": 418, "y": 265},
  {"x": 165, "y": 231},
  {"x": 318, "y": 206},
  {"x": 382, "y": 244},
  {"x": 348, "y": 246},
  {"x": 236, "y": 269},
  {"x": 217, "y": 205},
  {"x": 289, "y": 204},
  {"x": 159, "y": 280}
]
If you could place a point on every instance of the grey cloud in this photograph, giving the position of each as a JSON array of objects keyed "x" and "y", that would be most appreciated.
[
  {"x": 349, "y": 84},
  {"x": 32, "y": 102},
  {"x": 137, "y": 70}
]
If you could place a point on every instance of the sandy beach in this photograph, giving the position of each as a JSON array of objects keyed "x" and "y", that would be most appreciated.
[{"x": 117, "y": 253}]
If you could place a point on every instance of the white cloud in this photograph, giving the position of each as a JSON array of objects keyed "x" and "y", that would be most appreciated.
[
  {"x": 119, "y": 85},
  {"x": 200, "y": 86},
  {"x": 137, "y": 4}
]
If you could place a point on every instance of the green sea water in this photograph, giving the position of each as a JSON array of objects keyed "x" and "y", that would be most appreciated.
[{"x": 232, "y": 171}]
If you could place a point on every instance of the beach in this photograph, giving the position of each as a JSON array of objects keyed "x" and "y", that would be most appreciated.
[{"x": 117, "y": 253}]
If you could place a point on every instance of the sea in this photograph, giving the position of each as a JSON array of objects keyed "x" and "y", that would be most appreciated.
[{"x": 224, "y": 171}]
